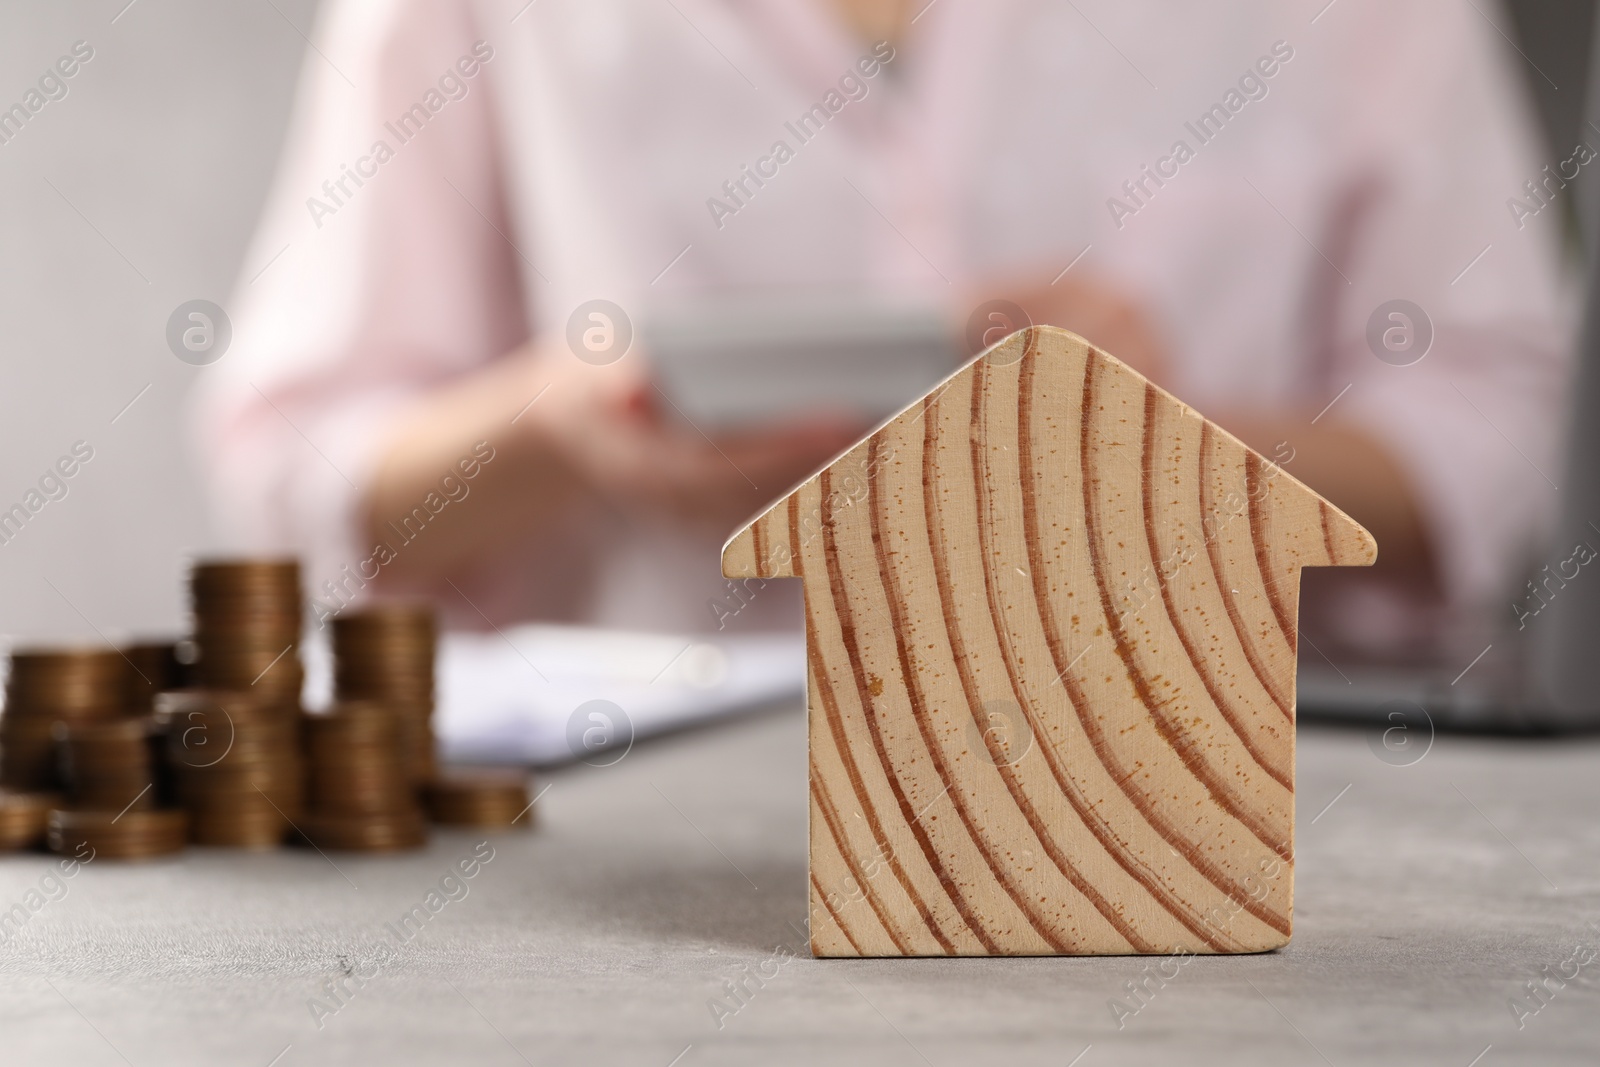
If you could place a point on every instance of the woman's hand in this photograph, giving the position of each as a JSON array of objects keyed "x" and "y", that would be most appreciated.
[
  {"x": 1344, "y": 463},
  {"x": 624, "y": 442},
  {"x": 567, "y": 433}
]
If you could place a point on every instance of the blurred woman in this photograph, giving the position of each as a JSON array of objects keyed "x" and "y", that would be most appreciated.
[{"x": 1227, "y": 196}]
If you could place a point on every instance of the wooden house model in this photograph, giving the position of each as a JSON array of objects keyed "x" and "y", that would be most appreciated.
[{"x": 1051, "y": 623}]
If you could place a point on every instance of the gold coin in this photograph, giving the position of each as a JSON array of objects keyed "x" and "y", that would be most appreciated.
[
  {"x": 24, "y": 818},
  {"x": 480, "y": 798}
]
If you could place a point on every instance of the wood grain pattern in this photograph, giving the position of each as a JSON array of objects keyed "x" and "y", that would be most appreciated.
[{"x": 1051, "y": 625}]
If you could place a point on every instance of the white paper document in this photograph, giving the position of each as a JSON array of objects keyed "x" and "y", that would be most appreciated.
[{"x": 552, "y": 694}]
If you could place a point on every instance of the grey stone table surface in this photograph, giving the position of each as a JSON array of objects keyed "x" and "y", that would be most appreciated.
[{"x": 1429, "y": 896}]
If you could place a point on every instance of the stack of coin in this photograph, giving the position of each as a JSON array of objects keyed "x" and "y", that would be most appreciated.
[
  {"x": 23, "y": 818},
  {"x": 110, "y": 765},
  {"x": 47, "y": 686},
  {"x": 485, "y": 799},
  {"x": 247, "y": 629},
  {"x": 361, "y": 796},
  {"x": 128, "y": 836},
  {"x": 385, "y": 654},
  {"x": 152, "y": 668},
  {"x": 235, "y": 765}
]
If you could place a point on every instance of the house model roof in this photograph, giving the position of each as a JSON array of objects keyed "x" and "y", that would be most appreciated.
[{"x": 1051, "y": 617}]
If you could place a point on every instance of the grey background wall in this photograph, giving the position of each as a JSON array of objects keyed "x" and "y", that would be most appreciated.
[
  {"x": 136, "y": 192},
  {"x": 133, "y": 193}
]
